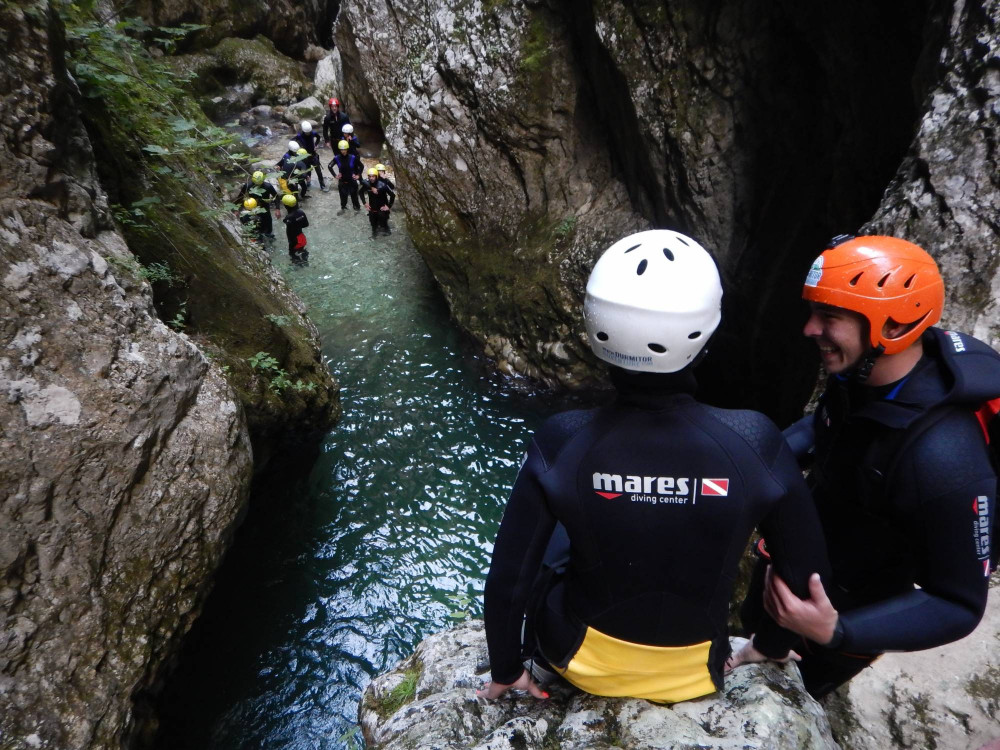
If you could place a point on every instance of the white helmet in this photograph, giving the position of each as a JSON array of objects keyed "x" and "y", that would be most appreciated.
[
  {"x": 653, "y": 300},
  {"x": 293, "y": 146},
  {"x": 347, "y": 129},
  {"x": 306, "y": 126}
]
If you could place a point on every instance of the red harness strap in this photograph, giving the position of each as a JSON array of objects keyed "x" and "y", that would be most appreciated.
[{"x": 986, "y": 414}]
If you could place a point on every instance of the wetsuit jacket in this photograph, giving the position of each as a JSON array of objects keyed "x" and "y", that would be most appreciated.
[
  {"x": 264, "y": 193},
  {"x": 659, "y": 495},
  {"x": 914, "y": 519},
  {"x": 332, "y": 124},
  {"x": 381, "y": 197},
  {"x": 307, "y": 141},
  {"x": 347, "y": 167},
  {"x": 295, "y": 222}
]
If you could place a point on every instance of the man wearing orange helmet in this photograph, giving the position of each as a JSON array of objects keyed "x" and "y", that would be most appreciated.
[{"x": 901, "y": 473}]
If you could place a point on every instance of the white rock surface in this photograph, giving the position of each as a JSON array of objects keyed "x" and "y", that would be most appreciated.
[{"x": 763, "y": 708}]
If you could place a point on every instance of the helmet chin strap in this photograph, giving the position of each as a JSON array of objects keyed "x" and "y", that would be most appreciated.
[{"x": 865, "y": 365}]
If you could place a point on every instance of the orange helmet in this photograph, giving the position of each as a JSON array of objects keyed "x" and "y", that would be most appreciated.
[{"x": 883, "y": 278}]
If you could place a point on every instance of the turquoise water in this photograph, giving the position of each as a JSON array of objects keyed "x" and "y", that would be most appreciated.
[{"x": 339, "y": 577}]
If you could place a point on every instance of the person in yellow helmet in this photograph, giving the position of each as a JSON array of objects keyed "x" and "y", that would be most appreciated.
[
  {"x": 250, "y": 217},
  {"x": 261, "y": 190},
  {"x": 379, "y": 199},
  {"x": 295, "y": 222},
  {"x": 347, "y": 168}
]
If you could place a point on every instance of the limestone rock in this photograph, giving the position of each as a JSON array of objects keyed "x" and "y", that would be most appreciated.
[
  {"x": 244, "y": 72},
  {"x": 429, "y": 701},
  {"x": 328, "y": 80},
  {"x": 947, "y": 697},
  {"x": 126, "y": 455},
  {"x": 295, "y": 27},
  {"x": 309, "y": 108},
  {"x": 510, "y": 193},
  {"x": 944, "y": 196},
  {"x": 126, "y": 458}
]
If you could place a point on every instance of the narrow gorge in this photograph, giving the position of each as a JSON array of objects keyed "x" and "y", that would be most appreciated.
[{"x": 174, "y": 420}]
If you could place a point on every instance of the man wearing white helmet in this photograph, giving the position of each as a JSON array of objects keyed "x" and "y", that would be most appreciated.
[
  {"x": 658, "y": 495},
  {"x": 308, "y": 138}
]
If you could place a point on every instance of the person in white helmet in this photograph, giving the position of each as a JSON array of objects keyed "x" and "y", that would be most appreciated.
[
  {"x": 353, "y": 144},
  {"x": 308, "y": 139},
  {"x": 658, "y": 495}
]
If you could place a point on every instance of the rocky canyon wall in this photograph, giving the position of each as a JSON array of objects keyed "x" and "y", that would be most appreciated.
[
  {"x": 126, "y": 452},
  {"x": 529, "y": 135}
]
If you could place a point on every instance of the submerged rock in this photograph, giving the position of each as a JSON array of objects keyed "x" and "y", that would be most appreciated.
[{"x": 429, "y": 701}]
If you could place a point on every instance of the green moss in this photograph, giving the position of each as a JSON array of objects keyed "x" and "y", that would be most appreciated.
[
  {"x": 985, "y": 686},
  {"x": 274, "y": 76},
  {"x": 535, "y": 50},
  {"x": 402, "y": 693}
]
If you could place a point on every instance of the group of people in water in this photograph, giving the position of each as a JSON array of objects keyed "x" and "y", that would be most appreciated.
[
  {"x": 614, "y": 564},
  {"x": 293, "y": 178}
]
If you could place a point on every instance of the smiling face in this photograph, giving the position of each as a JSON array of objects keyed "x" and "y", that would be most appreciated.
[{"x": 841, "y": 335}]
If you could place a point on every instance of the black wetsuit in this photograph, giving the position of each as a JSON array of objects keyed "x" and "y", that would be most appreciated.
[
  {"x": 332, "y": 124},
  {"x": 308, "y": 141},
  {"x": 353, "y": 144},
  {"x": 266, "y": 194},
  {"x": 377, "y": 196},
  {"x": 295, "y": 223},
  {"x": 659, "y": 495},
  {"x": 900, "y": 511},
  {"x": 348, "y": 169}
]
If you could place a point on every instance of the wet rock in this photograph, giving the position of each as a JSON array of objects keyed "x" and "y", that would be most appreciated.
[
  {"x": 946, "y": 697},
  {"x": 246, "y": 119},
  {"x": 262, "y": 112},
  {"x": 429, "y": 701},
  {"x": 261, "y": 130}
]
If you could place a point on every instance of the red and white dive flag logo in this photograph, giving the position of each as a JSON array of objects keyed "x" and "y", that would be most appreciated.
[{"x": 715, "y": 488}]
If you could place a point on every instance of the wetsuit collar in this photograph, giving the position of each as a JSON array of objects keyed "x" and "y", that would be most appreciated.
[{"x": 653, "y": 390}]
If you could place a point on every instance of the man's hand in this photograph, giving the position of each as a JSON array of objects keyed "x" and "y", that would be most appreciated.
[
  {"x": 750, "y": 655},
  {"x": 813, "y": 618},
  {"x": 493, "y": 690}
]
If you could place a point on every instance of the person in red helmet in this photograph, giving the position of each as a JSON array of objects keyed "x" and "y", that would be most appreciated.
[
  {"x": 901, "y": 473},
  {"x": 334, "y": 121}
]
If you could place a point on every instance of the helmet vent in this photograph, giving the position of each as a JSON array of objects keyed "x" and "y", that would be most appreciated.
[
  {"x": 658, "y": 348},
  {"x": 682, "y": 240},
  {"x": 695, "y": 335},
  {"x": 602, "y": 336},
  {"x": 881, "y": 282},
  {"x": 909, "y": 281},
  {"x": 856, "y": 279},
  {"x": 633, "y": 247},
  {"x": 669, "y": 255},
  {"x": 642, "y": 267}
]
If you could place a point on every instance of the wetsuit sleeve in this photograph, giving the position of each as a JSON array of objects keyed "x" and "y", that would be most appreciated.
[
  {"x": 801, "y": 438},
  {"x": 796, "y": 544},
  {"x": 520, "y": 545},
  {"x": 330, "y": 167},
  {"x": 950, "y": 532},
  {"x": 305, "y": 221}
]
